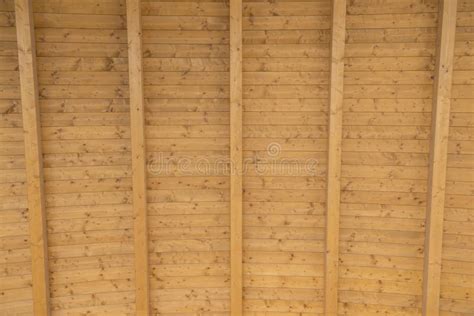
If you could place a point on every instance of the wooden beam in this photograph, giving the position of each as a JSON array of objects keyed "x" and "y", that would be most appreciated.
[
  {"x": 236, "y": 156},
  {"x": 33, "y": 155},
  {"x": 334, "y": 155},
  {"x": 137, "y": 130},
  {"x": 438, "y": 156}
]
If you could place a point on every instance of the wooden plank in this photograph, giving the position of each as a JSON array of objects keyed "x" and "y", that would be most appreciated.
[
  {"x": 33, "y": 155},
  {"x": 438, "y": 157},
  {"x": 334, "y": 156},
  {"x": 236, "y": 195},
  {"x": 137, "y": 131}
]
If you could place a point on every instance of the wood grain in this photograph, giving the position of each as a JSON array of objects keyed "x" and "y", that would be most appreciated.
[
  {"x": 439, "y": 157},
  {"x": 333, "y": 187},
  {"x": 138, "y": 151},
  {"x": 236, "y": 149},
  {"x": 33, "y": 155}
]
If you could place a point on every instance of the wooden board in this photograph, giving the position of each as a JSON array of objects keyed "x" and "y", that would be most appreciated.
[
  {"x": 33, "y": 155},
  {"x": 137, "y": 137},
  {"x": 439, "y": 157},
  {"x": 236, "y": 197},
  {"x": 457, "y": 260},
  {"x": 333, "y": 183}
]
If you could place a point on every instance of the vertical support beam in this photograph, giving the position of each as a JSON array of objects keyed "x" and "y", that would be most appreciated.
[
  {"x": 438, "y": 156},
  {"x": 236, "y": 156},
  {"x": 137, "y": 131},
  {"x": 33, "y": 155},
  {"x": 334, "y": 155}
]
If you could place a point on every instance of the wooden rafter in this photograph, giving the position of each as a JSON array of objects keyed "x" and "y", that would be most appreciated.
[
  {"x": 33, "y": 154},
  {"x": 438, "y": 156},
  {"x": 236, "y": 155},
  {"x": 334, "y": 155},
  {"x": 137, "y": 129}
]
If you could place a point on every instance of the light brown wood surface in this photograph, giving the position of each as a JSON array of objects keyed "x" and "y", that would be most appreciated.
[
  {"x": 33, "y": 155},
  {"x": 333, "y": 183},
  {"x": 220, "y": 243},
  {"x": 15, "y": 247},
  {"x": 456, "y": 254},
  {"x": 438, "y": 157},
  {"x": 236, "y": 148},
  {"x": 138, "y": 152}
]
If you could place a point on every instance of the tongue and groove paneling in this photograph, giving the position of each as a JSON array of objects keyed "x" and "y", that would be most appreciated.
[
  {"x": 15, "y": 254},
  {"x": 83, "y": 76},
  {"x": 388, "y": 84},
  {"x": 83, "y": 81},
  {"x": 186, "y": 70},
  {"x": 285, "y": 98}
]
